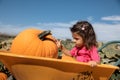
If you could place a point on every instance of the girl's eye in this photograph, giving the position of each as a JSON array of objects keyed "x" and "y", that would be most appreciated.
[{"x": 76, "y": 38}]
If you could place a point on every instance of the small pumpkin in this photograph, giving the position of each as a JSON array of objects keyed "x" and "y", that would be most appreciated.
[
  {"x": 3, "y": 76},
  {"x": 34, "y": 42}
]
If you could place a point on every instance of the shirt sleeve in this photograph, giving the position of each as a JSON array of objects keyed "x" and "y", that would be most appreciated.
[
  {"x": 94, "y": 54},
  {"x": 72, "y": 51}
]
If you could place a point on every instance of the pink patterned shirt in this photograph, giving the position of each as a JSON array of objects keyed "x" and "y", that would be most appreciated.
[{"x": 84, "y": 55}]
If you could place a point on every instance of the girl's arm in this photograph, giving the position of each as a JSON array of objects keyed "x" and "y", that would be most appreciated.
[
  {"x": 62, "y": 48},
  {"x": 95, "y": 57},
  {"x": 65, "y": 51}
]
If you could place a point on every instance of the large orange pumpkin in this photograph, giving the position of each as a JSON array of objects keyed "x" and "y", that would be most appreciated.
[{"x": 34, "y": 42}]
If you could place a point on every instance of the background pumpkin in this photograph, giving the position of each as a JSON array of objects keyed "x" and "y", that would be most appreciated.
[
  {"x": 34, "y": 42},
  {"x": 3, "y": 76}
]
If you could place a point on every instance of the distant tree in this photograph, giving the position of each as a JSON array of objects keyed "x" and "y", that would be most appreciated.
[{"x": 68, "y": 40}]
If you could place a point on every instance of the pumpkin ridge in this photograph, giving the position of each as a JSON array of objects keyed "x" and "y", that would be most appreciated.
[
  {"x": 52, "y": 50},
  {"x": 55, "y": 49},
  {"x": 28, "y": 48},
  {"x": 38, "y": 51},
  {"x": 34, "y": 49},
  {"x": 42, "y": 50},
  {"x": 47, "y": 49}
]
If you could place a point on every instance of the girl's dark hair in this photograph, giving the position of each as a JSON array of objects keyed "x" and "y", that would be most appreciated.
[{"x": 86, "y": 31}]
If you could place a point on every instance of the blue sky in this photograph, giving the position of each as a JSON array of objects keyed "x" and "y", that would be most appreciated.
[{"x": 59, "y": 15}]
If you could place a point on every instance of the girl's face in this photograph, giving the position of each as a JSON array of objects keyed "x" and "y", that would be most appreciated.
[{"x": 78, "y": 40}]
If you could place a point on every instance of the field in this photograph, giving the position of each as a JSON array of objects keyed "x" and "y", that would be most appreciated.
[{"x": 110, "y": 54}]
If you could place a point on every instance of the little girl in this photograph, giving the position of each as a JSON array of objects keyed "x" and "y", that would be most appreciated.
[{"x": 85, "y": 49}]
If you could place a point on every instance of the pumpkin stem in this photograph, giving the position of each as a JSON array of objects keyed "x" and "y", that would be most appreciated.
[{"x": 43, "y": 34}]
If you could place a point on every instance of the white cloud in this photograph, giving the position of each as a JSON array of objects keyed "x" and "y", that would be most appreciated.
[
  {"x": 90, "y": 18},
  {"x": 61, "y": 33},
  {"x": 53, "y": 24},
  {"x": 107, "y": 32},
  {"x": 57, "y": 24},
  {"x": 111, "y": 18},
  {"x": 11, "y": 29},
  {"x": 104, "y": 31}
]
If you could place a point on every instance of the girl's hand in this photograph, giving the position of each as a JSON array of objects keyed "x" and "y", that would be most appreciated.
[
  {"x": 59, "y": 44},
  {"x": 62, "y": 48},
  {"x": 92, "y": 63}
]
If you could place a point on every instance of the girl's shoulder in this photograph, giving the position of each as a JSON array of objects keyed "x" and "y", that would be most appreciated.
[{"x": 94, "y": 47}]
